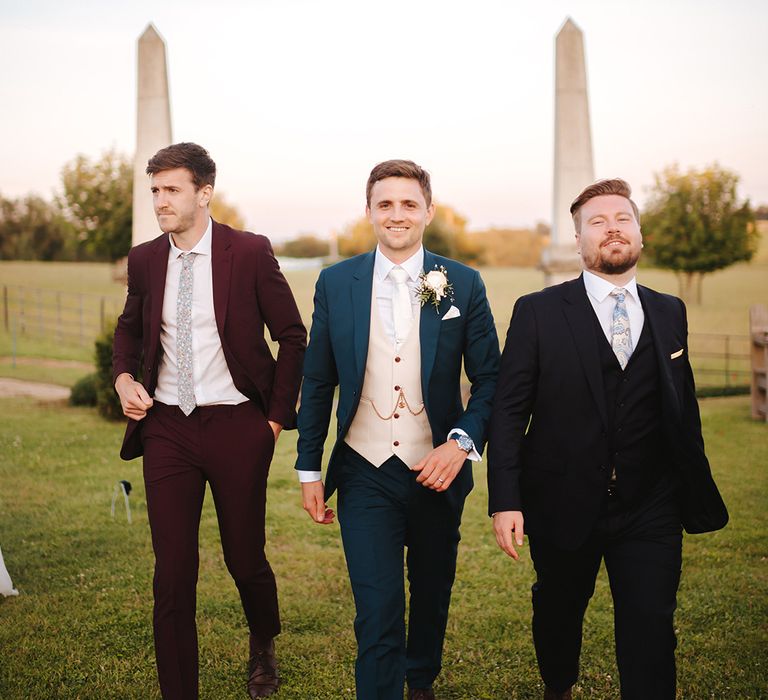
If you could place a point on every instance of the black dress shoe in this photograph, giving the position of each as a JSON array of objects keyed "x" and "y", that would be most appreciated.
[
  {"x": 263, "y": 678},
  {"x": 421, "y": 694},
  {"x": 553, "y": 695}
]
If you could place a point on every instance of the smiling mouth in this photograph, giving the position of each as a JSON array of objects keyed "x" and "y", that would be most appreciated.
[
  {"x": 397, "y": 229},
  {"x": 614, "y": 242}
]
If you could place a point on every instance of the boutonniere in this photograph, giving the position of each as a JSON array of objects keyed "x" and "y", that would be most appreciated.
[{"x": 434, "y": 286}]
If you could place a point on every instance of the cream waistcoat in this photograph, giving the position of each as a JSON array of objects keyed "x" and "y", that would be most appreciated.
[{"x": 385, "y": 424}]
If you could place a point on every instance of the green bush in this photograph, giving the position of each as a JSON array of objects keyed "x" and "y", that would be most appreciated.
[
  {"x": 84, "y": 391},
  {"x": 107, "y": 401}
]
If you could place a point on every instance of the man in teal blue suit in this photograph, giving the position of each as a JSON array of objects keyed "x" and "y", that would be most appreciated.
[{"x": 390, "y": 328}]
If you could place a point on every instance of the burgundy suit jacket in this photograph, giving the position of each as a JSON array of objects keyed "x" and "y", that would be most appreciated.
[{"x": 249, "y": 291}]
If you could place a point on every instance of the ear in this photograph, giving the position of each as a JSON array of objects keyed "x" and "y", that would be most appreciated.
[
  {"x": 205, "y": 195},
  {"x": 430, "y": 213},
  {"x": 577, "y": 236},
  {"x": 368, "y": 213}
]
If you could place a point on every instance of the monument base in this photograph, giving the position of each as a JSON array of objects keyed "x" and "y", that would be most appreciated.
[{"x": 560, "y": 264}]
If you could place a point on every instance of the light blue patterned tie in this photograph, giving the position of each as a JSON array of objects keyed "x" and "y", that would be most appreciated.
[
  {"x": 184, "y": 335},
  {"x": 621, "y": 340}
]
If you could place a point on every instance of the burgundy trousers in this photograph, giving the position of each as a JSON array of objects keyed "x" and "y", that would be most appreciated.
[{"x": 230, "y": 447}]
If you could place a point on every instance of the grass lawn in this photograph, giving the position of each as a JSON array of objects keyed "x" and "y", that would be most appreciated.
[{"x": 81, "y": 628}]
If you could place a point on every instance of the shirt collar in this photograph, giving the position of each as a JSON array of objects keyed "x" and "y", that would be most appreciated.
[
  {"x": 203, "y": 246},
  {"x": 413, "y": 266},
  {"x": 599, "y": 288}
]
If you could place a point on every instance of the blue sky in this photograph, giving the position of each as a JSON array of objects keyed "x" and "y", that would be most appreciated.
[{"x": 296, "y": 100}]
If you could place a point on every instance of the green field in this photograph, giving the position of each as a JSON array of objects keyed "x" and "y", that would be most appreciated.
[
  {"x": 727, "y": 298},
  {"x": 81, "y": 628}
]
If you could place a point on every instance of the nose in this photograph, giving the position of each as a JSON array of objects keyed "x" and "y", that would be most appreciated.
[{"x": 397, "y": 213}]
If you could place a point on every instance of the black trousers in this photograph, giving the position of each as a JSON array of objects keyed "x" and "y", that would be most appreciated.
[
  {"x": 642, "y": 549},
  {"x": 230, "y": 448}
]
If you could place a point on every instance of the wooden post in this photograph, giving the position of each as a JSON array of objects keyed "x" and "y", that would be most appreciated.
[{"x": 758, "y": 329}]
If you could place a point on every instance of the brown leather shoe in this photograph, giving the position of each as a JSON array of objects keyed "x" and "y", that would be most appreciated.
[
  {"x": 421, "y": 694},
  {"x": 553, "y": 695},
  {"x": 263, "y": 677}
]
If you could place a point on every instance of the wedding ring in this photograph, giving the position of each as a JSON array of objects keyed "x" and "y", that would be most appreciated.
[{"x": 440, "y": 480}]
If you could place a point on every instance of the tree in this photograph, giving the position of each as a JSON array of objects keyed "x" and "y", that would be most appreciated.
[
  {"x": 33, "y": 229},
  {"x": 98, "y": 202},
  {"x": 695, "y": 224},
  {"x": 305, "y": 246},
  {"x": 226, "y": 213}
]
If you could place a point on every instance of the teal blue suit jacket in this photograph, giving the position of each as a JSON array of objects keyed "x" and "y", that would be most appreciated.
[{"x": 338, "y": 350}]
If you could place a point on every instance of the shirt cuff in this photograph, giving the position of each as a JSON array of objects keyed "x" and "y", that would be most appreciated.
[
  {"x": 474, "y": 455},
  {"x": 306, "y": 477}
]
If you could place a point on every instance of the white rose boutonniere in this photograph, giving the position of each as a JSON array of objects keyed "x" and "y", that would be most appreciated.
[{"x": 434, "y": 286}]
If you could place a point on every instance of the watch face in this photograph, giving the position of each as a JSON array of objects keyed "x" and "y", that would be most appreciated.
[{"x": 465, "y": 443}]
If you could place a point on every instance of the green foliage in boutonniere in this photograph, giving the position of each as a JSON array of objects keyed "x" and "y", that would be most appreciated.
[{"x": 434, "y": 286}]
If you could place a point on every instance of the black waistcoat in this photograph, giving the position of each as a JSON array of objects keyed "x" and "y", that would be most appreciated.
[{"x": 637, "y": 444}]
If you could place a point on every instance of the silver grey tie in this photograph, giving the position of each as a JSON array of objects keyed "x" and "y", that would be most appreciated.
[
  {"x": 184, "y": 335},
  {"x": 621, "y": 339}
]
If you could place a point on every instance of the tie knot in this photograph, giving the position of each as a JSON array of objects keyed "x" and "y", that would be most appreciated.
[
  {"x": 187, "y": 258},
  {"x": 619, "y": 293},
  {"x": 398, "y": 275}
]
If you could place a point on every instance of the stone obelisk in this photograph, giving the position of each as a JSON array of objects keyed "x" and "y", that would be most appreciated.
[
  {"x": 153, "y": 127},
  {"x": 574, "y": 169}
]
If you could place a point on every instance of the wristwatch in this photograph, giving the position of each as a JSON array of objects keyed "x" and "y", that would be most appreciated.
[{"x": 464, "y": 442}]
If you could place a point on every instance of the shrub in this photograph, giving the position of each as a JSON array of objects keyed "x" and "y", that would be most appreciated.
[
  {"x": 107, "y": 401},
  {"x": 84, "y": 391}
]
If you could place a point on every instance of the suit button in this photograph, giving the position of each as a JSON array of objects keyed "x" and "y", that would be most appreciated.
[
  {"x": 397, "y": 388},
  {"x": 603, "y": 468},
  {"x": 396, "y": 443},
  {"x": 397, "y": 359},
  {"x": 397, "y": 415}
]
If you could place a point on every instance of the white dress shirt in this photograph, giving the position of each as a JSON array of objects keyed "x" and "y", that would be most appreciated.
[
  {"x": 384, "y": 290},
  {"x": 599, "y": 294},
  {"x": 210, "y": 374}
]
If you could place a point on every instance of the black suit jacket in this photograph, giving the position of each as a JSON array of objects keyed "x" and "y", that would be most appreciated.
[
  {"x": 548, "y": 450},
  {"x": 249, "y": 292}
]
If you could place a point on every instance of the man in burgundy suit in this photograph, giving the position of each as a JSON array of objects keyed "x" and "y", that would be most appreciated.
[{"x": 209, "y": 407}]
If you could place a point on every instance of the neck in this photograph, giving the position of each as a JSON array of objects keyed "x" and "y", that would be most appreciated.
[
  {"x": 399, "y": 256},
  {"x": 617, "y": 280},
  {"x": 188, "y": 239}
]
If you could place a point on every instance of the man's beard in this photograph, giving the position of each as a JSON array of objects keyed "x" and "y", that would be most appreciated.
[{"x": 612, "y": 266}]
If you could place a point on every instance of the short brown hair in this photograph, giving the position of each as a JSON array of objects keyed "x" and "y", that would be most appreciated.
[
  {"x": 399, "y": 168},
  {"x": 185, "y": 155},
  {"x": 598, "y": 189}
]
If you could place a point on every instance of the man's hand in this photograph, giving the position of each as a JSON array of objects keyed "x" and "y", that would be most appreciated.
[
  {"x": 440, "y": 467},
  {"x": 133, "y": 397},
  {"x": 504, "y": 524},
  {"x": 276, "y": 428},
  {"x": 314, "y": 502}
]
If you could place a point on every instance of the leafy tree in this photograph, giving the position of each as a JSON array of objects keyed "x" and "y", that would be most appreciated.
[
  {"x": 33, "y": 229},
  {"x": 98, "y": 202},
  {"x": 306, "y": 246},
  {"x": 226, "y": 213},
  {"x": 695, "y": 224}
]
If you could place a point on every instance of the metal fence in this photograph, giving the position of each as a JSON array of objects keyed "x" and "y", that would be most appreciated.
[
  {"x": 63, "y": 318},
  {"x": 73, "y": 319}
]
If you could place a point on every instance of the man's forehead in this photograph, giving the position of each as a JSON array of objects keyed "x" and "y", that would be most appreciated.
[
  {"x": 606, "y": 202},
  {"x": 396, "y": 188},
  {"x": 173, "y": 176}
]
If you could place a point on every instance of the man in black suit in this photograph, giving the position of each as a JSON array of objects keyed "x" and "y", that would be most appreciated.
[{"x": 596, "y": 452}]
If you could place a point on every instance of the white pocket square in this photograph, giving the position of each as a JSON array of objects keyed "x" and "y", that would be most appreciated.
[
  {"x": 453, "y": 312},
  {"x": 675, "y": 355}
]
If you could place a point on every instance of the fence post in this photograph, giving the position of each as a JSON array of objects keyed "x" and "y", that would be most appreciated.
[
  {"x": 5, "y": 306},
  {"x": 58, "y": 317},
  {"x": 82, "y": 338},
  {"x": 727, "y": 361},
  {"x": 40, "y": 312}
]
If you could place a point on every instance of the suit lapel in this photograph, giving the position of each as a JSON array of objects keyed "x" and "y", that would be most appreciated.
[
  {"x": 158, "y": 268},
  {"x": 660, "y": 327},
  {"x": 361, "y": 290},
  {"x": 580, "y": 316},
  {"x": 429, "y": 330},
  {"x": 221, "y": 271}
]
